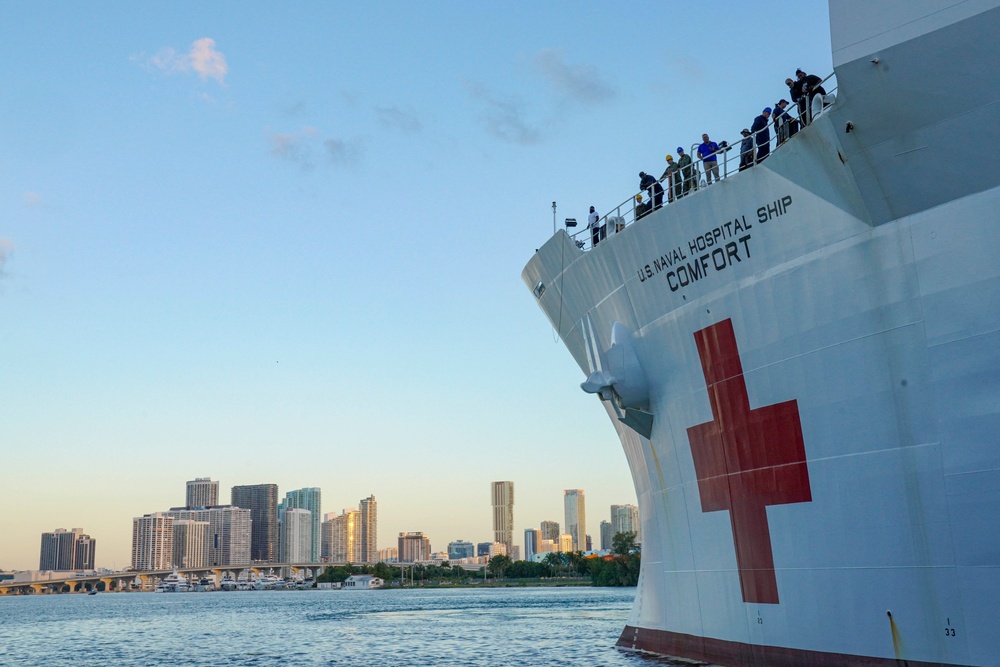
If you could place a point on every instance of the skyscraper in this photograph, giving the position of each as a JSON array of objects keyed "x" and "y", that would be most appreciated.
[
  {"x": 550, "y": 530},
  {"x": 369, "y": 529},
  {"x": 576, "y": 517},
  {"x": 202, "y": 492},
  {"x": 152, "y": 542},
  {"x": 414, "y": 547},
  {"x": 59, "y": 550},
  {"x": 625, "y": 519},
  {"x": 228, "y": 536},
  {"x": 607, "y": 536},
  {"x": 532, "y": 542},
  {"x": 309, "y": 499},
  {"x": 503, "y": 513},
  {"x": 190, "y": 543},
  {"x": 296, "y": 536},
  {"x": 345, "y": 537},
  {"x": 262, "y": 501},
  {"x": 86, "y": 552}
]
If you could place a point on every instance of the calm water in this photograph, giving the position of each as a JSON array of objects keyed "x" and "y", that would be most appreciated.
[{"x": 513, "y": 626}]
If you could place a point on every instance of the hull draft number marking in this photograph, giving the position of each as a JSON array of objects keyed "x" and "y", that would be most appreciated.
[{"x": 746, "y": 460}]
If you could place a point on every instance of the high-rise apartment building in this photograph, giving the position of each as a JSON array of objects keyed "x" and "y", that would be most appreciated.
[
  {"x": 296, "y": 536},
  {"x": 152, "y": 542},
  {"x": 550, "y": 530},
  {"x": 625, "y": 519},
  {"x": 607, "y": 536},
  {"x": 86, "y": 551},
  {"x": 202, "y": 492},
  {"x": 345, "y": 537},
  {"x": 565, "y": 543},
  {"x": 576, "y": 518},
  {"x": 228, "y": 537},
  {"x": 461, "y": 549},
  {"x": 262, "y": 501},
  {"x": 503, "y": 513},
  {"x": 388, "y": 555},
  {"x": 309, "y": 499},
  {"x": 414, "y": 547},
  {"x": 190, "y": 543},
  {"x": 532, "y": 542},
  {"x": 369, "y": 529},
  {"x": 61, "y": 550}
]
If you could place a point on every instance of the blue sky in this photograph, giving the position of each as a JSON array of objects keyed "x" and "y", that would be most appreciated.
[{"x": 283, "y": 243}]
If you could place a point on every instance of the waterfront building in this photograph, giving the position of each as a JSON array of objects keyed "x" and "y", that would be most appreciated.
[
  {"x": 565, "y": 543},
  {"x": 414, "y": 547},
  {"x": 262, "y": 501},
  {"x": 190, "y": 543},
  {"x": 369, "y": 529},
  {"x": 229, "y": 532},
  {"x": 483, "y": 548},
  {"x": 388, "y": 555},
  {"x": 547, "y": 546},
  {"x": 296, "y": 536},
  {"x": 625, "y": 519},
  {"x": 326, "y": 537},
  {"x": 503, "y": 513},
  {"x": 84, "y": 553},
  {"x": 576, "y": 517},
  {"x": 461, "y": 549},
  {"x": 152, "y": 542},
  {"x": 550, "y": 530},
  {"x": 362, "y": 582},
  {"x": 607, "y": 535},
  {"x": 58, "y": 550},
  {"x": 309, "y": 499},
  {"x": 532, "y": 542},
  {"x": 202, "y": 492},
  {"x": 345, "y": 537},
  {"x": 590, "y": 544}
]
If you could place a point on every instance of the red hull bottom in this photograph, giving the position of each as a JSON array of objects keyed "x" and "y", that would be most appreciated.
[{"x": 738, "y": 654}]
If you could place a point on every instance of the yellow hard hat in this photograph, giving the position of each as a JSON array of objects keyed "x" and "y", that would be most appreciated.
[
  {"x": 638, "y": 197},
  {"x": 670, "y": 157}
]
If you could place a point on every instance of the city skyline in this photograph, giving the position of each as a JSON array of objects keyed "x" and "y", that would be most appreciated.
[
  {"x": 206, "y": 268},
  {"x": 220, "y": 520}
]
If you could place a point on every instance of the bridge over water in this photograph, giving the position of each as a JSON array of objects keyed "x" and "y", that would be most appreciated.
[{"x": 147, "y": 580}]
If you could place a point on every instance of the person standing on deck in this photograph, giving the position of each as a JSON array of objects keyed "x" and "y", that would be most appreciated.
[
  {"x": 653, "y": 188},
  {"x": 687, "y": 172},
  {"x": 673, "y": 179},
  {"x": 597, "y": 231},
  {"x": 761, "y": 133},
  {"x": 709, "y": 160},
  {"x": 746, "y": 150}
]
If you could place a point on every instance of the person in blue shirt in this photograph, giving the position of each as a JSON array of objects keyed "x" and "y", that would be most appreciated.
[{"x": 709, "y": 160}]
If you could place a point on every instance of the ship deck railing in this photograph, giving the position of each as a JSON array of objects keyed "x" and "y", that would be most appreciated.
[{"x": 729, "y": 161}]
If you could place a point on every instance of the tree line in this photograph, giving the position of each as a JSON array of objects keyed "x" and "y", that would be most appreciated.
[{"x": 621, "y": 568}]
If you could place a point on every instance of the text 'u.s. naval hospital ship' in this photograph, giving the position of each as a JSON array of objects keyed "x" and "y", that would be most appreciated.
[{"x": 802, "y": 362}]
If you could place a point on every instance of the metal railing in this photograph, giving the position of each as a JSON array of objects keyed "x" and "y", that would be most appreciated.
[{"x": 730, "y": 159}]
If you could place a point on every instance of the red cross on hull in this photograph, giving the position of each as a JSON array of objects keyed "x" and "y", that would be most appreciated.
[{"x": 746, "y": 460}]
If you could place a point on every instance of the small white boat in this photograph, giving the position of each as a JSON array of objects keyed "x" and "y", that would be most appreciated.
[{"x": 173, "y": 583}]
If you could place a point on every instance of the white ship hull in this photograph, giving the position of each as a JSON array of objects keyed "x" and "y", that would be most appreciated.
[{"x": 814, "y": 408}]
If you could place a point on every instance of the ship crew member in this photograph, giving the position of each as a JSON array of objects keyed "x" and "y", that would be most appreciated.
[
  {"x": 709, "y": 160},
  {"x": 811, "y": 87},
  {"x": 761, "y": 133},
  {"x": 798, "y": 99},
  {"x": 653, "y": 188},
  {"x": 784, "y": 124},
  {"x": 597, "y": 231},
  {"x": 746, "y": 150},
  {"x": 641, "y": 208},
  {"x": 672, "y": 178},
  {"x": 687, "y": 171}
]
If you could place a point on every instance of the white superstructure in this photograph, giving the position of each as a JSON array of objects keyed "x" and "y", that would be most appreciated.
[{"x": 803, "y": 365}]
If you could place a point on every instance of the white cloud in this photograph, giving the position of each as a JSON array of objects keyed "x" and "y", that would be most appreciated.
[
  {"x": 305, "y": 146},
  {"x": 505, "y": 119},
  {"x": 202, "y": 59},
  {"x": 580, "y": 82}
]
